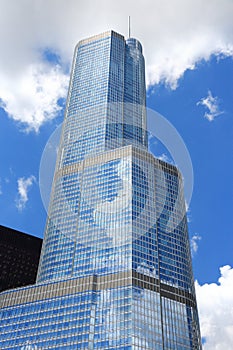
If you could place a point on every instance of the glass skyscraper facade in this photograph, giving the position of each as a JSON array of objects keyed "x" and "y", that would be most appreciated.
[{"x": 115, "y": 269}]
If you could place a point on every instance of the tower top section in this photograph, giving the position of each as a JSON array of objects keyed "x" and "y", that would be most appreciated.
[
  {"x": 134, "y": 44},
  {"x": 131, "y": 42}
]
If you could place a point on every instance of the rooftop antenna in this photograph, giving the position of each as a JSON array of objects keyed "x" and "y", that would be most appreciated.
[{"x": 129, "y": 26}]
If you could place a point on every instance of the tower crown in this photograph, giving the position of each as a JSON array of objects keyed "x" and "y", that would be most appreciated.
[{"x": 134, "y": 43}]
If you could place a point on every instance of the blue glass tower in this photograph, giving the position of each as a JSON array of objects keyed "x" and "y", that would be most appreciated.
[{"x": 115, "y": 270}]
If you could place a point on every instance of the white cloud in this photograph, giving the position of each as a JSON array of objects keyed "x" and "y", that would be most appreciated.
[
  {"x": 175, "y": 35},
  {"x": 33, "y": 99},
  {"x": 0, "y": 186},
  {"x": 212, "y": 104},
  {"x": 188, "y": 213},
  {"x": 7, "y": 180},
  {"x": 24, "y": 185},
  {"x": 194, "y": 243},
  {"x": 215, "y": 304},
  {"x": 164, "y": 157}
]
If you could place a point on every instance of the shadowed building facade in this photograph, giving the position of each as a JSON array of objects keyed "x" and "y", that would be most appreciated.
[
  {"x": 19, "y": 258},
  {"x": 115, "y": 269}
]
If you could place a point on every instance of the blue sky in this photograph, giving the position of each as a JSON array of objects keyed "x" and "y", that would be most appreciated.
[{"x": 189, "y": 75}]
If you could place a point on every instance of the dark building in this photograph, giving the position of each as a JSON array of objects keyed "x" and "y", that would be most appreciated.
[{"x": 19, "y": 258}]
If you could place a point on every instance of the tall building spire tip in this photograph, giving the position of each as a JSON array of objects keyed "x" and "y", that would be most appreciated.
[{"x": 129, "y": 26}]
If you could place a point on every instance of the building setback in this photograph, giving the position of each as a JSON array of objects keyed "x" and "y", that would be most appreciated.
[
  {"x": 115, "y": 270},
  {"x": 19, "y": 258}
]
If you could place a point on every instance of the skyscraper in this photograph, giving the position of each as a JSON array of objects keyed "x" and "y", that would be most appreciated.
[
  {"x": 19, "y": 258},
  {"x": 115, "y": 270}
]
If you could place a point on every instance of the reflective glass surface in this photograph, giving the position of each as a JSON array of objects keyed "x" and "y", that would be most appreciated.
[{"x": 115, "y": 270}]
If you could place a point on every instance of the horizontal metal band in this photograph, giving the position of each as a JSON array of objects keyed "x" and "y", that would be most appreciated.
[
  {"x": 41, "y": 292},
  {"x": 116, "y": 153},
  {"x": 165, "y": 290}
]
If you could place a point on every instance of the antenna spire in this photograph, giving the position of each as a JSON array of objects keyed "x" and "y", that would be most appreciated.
[{"x": 129, "y": 26}]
